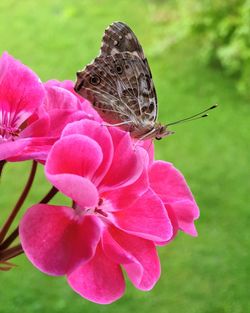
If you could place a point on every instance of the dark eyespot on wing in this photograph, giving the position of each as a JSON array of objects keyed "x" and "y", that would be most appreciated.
[
  {"x": 94, "y": 80},
  {"x": 119, "y": 69}
]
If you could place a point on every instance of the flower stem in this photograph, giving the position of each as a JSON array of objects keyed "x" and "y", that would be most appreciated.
[
  {"x": 11, "y": 253},
  {"x": 19, "y": 203},
  {"x": 8, "y": 241},
  {"x": 53, "y": 191},
  {"x": 6, "y": 266},
  {"x": 2, "y": 163}
]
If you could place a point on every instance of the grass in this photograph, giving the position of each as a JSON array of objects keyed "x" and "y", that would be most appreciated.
[{"x": 209, "y": 274}]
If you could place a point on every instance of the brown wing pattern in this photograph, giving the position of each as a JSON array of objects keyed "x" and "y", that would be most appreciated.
[
  {"x": 120, "y": 88},
  {"x": 118, "y": 37}
]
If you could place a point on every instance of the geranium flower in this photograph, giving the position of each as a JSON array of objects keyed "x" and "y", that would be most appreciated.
[
  {"x": 21, "y": 93},
  {"x": 33, "y": 114},
  {"x": 115, "y": 220},
  {"x": 124, "y": 203}
]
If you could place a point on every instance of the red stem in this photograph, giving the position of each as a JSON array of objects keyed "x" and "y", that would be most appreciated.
[
  {"x": 8, "y": 241},
  {"x": 19, "y": 203},
  {"x": 2, "y": 163},
  {"x": 53, "y": 191},
  {"x": 6, "y": 266},
  {"x": 11, "y": 253}
]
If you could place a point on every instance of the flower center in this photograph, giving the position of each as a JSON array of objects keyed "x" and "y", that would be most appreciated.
[
  {"x": 100, "y": 210},
  {"x": 8, "y": 133}
]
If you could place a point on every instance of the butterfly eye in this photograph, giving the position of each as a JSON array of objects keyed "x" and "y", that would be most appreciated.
[
  {"x": 158, "y": 138},
  {"x": 119, "y": 69},
  {"x": 95, "y": 80}
]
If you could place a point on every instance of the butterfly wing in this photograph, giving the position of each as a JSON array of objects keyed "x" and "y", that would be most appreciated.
[
  {"x": 119, "y": 82},
  {"x": 119, "y": 37},
  {"x": 120, "y": 88}
]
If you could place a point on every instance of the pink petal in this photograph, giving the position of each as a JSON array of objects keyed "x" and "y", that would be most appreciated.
[
  {"x": 67, "y": 84},
  {"x": 79, "y": 189},
  {"x": 36, "y": 149},
  {"x": 185, "y": 212},
  {"x": 172, "y": 188},
  {"x": 146, "y": 218},
  {"x": 60, "y": 98},
  {"x": 37, "y": 128},
  {"x": 124, "y": 197},
  {"x": 70, "y": 166},
  {"x": 148, "y": 145},
  {"x": 9, "y": 149},
  {"x": 75, "y": 154},
  {"x": 60, "y": 118},
  {"x": 62, "y": 107},
  {"x": 138, "y": 257},
  {"x": 101, "y": 135},
  {"x": 56, "y": 240},
  {"x": 168, "y": 182},
  {"x": 174, "y": 223},
  {"x": 20, "y": 91},
  {"x": 127, "y": 164},
  {"x": 84, "y": 104},
  {"x": 100, "y": 280}
]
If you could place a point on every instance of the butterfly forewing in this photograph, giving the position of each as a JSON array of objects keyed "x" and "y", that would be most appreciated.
[{"x": 118, "y": 37}]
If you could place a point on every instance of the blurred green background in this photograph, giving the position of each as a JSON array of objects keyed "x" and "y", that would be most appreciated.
[{"x": 196, "y": 62}]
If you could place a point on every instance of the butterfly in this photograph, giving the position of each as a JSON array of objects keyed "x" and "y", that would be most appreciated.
[{"x": 119, "y": 84}]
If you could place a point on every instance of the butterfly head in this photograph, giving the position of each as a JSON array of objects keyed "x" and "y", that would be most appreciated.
[{"x": 161, "y": 131}]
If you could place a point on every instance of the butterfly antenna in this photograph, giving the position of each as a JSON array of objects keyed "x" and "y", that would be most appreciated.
[{"x": 194, "y": 117}]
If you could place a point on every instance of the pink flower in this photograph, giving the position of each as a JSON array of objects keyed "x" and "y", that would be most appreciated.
[
  {"x": 21, "y": 93},
  {"x": 124, "y": 203},
  {"x": 115, "y": 220},
  {"x": 33, "y": 115}
]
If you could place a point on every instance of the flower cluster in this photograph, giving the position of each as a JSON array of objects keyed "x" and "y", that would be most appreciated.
[{"x": 124, "y": 203}]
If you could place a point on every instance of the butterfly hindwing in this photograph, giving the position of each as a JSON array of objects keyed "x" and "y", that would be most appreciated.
[{"x": 122, "y": 83}]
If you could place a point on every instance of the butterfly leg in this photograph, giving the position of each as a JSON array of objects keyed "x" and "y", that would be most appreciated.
[{"x": 116, "y": 125}]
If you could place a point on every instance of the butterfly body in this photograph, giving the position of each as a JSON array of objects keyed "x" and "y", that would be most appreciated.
[{"x": 119, "y": 85}]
